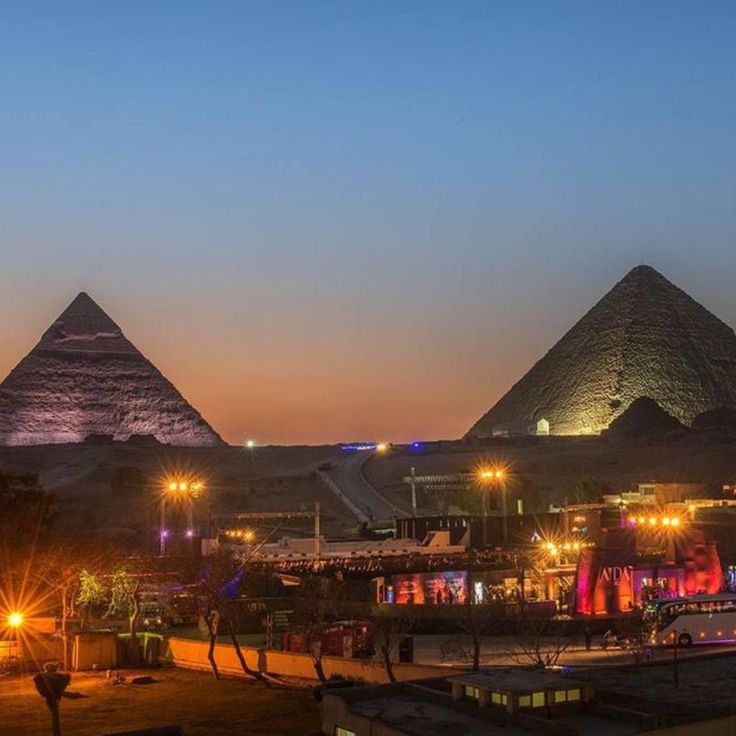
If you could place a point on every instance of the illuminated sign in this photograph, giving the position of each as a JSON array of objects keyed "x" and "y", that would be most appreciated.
[
  {"x": 431, "y": 588},
  {"x": 615, "y": 574}
]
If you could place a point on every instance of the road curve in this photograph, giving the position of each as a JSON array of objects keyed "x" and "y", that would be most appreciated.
[{"x": 349, "y": 478}]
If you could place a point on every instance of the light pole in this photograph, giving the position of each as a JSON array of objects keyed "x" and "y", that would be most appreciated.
[
  {"x": 15, "y": 621},
  {"x": 488, "y": 476},
  {"x": 485, "y": 478},
  {"x": 178, "y": 490}
]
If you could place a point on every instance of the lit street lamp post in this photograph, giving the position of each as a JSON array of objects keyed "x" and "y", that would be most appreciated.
[
  {"x": 488, "y": 476},
  {"x": 14, "y": 622},
  {"x": 174, "y": 490}
]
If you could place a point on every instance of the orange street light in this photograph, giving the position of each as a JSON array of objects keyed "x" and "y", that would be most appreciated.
[
  {"x": 178, "y": 488},
  {"x": 486, "y": 476},
  {"x": 15, "y": 620}
]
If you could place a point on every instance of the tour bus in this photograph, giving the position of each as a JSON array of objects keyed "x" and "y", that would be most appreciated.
[{"x": 697, "y": 619}]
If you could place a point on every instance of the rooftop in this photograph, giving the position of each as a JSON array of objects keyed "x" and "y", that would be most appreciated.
[
  {"x": 516, "y": 680},
  {"x": 413, "y": 714}
]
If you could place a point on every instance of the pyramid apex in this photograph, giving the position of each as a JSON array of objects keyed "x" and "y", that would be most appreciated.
[
  {"x": 643, "y": 269},
  {"x": 82, "y": 324},
  {"x": 83, "y": 297}
]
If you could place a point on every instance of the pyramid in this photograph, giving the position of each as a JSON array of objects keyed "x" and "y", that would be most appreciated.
[
  {"x": 86, "y": 378},
  {"x": 645, "y": 337}
]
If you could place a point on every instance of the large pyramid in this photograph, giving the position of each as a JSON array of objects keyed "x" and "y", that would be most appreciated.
[
  {"x": 646, "y": 337},
  {"x": 86, "y": 378}
]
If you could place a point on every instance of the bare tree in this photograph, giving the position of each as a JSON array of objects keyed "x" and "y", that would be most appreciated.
[
  {"x": 228, "y": 612},
  {"x": 389, "y": 625},
  {"x": 321, "y": 601},
  {"x": 536, "y": 645},
  {"x": 478, "y": 620},
  {"x": 218, "y": 575}
]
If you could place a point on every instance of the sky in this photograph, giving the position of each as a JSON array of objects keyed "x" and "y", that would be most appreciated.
[{"x": 331, "y": 221}]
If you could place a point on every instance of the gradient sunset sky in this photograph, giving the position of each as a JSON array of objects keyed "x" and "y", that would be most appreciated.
[{"x": 327, "y": 221}]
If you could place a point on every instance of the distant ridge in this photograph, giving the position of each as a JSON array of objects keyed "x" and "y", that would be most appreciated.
[
  {"x": 83, "y": 378},
  {"x": 645, "y": 337}
]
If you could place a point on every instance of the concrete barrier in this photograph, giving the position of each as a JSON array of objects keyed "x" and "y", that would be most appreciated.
[{"x": 192, "y": 654}]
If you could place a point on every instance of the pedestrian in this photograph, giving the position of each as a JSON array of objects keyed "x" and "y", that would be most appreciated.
[{"x": 588, "y": 636}]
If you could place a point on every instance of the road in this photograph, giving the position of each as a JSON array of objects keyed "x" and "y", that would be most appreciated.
[
  {"x": 455, "y": 651},
  {"x": 349, "y": 478}
]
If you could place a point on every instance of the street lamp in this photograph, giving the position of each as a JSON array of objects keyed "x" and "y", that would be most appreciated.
[
  {"x": 178, "y": 489},
  {"x": 488, "y": 476},
  {"x": 15, "y": 619}
]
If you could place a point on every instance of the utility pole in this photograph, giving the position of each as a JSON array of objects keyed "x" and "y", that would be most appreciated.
[
  {"x": 485, "y": 514},
  {"x": 316, "y": 531},
  {"x": 413, "y": 484},
  {"x": 674, "y": 658},
  {"x": 505, "y": 512},
  {"x": 162, "y": 532}
]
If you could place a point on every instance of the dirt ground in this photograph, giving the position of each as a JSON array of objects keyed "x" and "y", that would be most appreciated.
[
  {"x": 548, "y": 470},
  {"x": 194, "y": 700}
]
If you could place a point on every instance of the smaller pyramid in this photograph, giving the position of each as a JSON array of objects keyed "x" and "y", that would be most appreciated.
[
  {"x": 644, "y": 418},
  {"x": 84, "y": 378}
]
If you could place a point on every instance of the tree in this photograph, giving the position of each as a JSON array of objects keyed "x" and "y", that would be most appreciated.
[
  {"x": 126, "y": 585},
  {"x": 57, "y": 569},
  {"x": 220, "y": 578},
  {"x": 322, "y": 600},
  {"x": 478, "y": 620},
  {"x": 125, "y": 598},
  {"x": 92, "y": 592},
  {"x": 389, "y": 625},
  {"x": 538, "y": 646},
  {"x": 26, "y": 510}
]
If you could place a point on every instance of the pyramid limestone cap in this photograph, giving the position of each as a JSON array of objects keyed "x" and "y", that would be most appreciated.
[{"x": 85, "y": 326}]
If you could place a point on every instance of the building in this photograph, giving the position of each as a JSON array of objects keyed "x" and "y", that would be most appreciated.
[
  {"x": 649, "y": 557},
  {"x": 508, "y": 701}
]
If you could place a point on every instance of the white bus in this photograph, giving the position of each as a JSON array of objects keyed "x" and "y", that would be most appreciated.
[{"x": 697, "y": 619}]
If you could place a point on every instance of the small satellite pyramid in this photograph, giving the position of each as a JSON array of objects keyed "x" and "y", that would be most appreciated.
[
  {"x": 645, "y": 337},
  {"x": 86, "y": 378}
]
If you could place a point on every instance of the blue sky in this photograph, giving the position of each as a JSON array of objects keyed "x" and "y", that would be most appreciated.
[{"x": 330, "y": 220}]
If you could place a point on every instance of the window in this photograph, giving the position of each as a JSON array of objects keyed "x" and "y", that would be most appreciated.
[
  {"x": 573, "y": 695},
  {"x": 560, "y": 696},
  {"x": 538, "y": 699},
  {"x": 340, "y": 731},
  {"x": 472, "y": 692},
  {"x": 525, "y": 701}
]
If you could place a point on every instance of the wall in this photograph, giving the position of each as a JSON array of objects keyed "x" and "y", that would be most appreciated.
[{"x": 192, "y": 654}]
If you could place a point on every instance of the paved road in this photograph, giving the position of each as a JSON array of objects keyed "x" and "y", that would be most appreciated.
[
  {"x": 455, "y": 651},
  {"x": 349, "y": 478}
]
